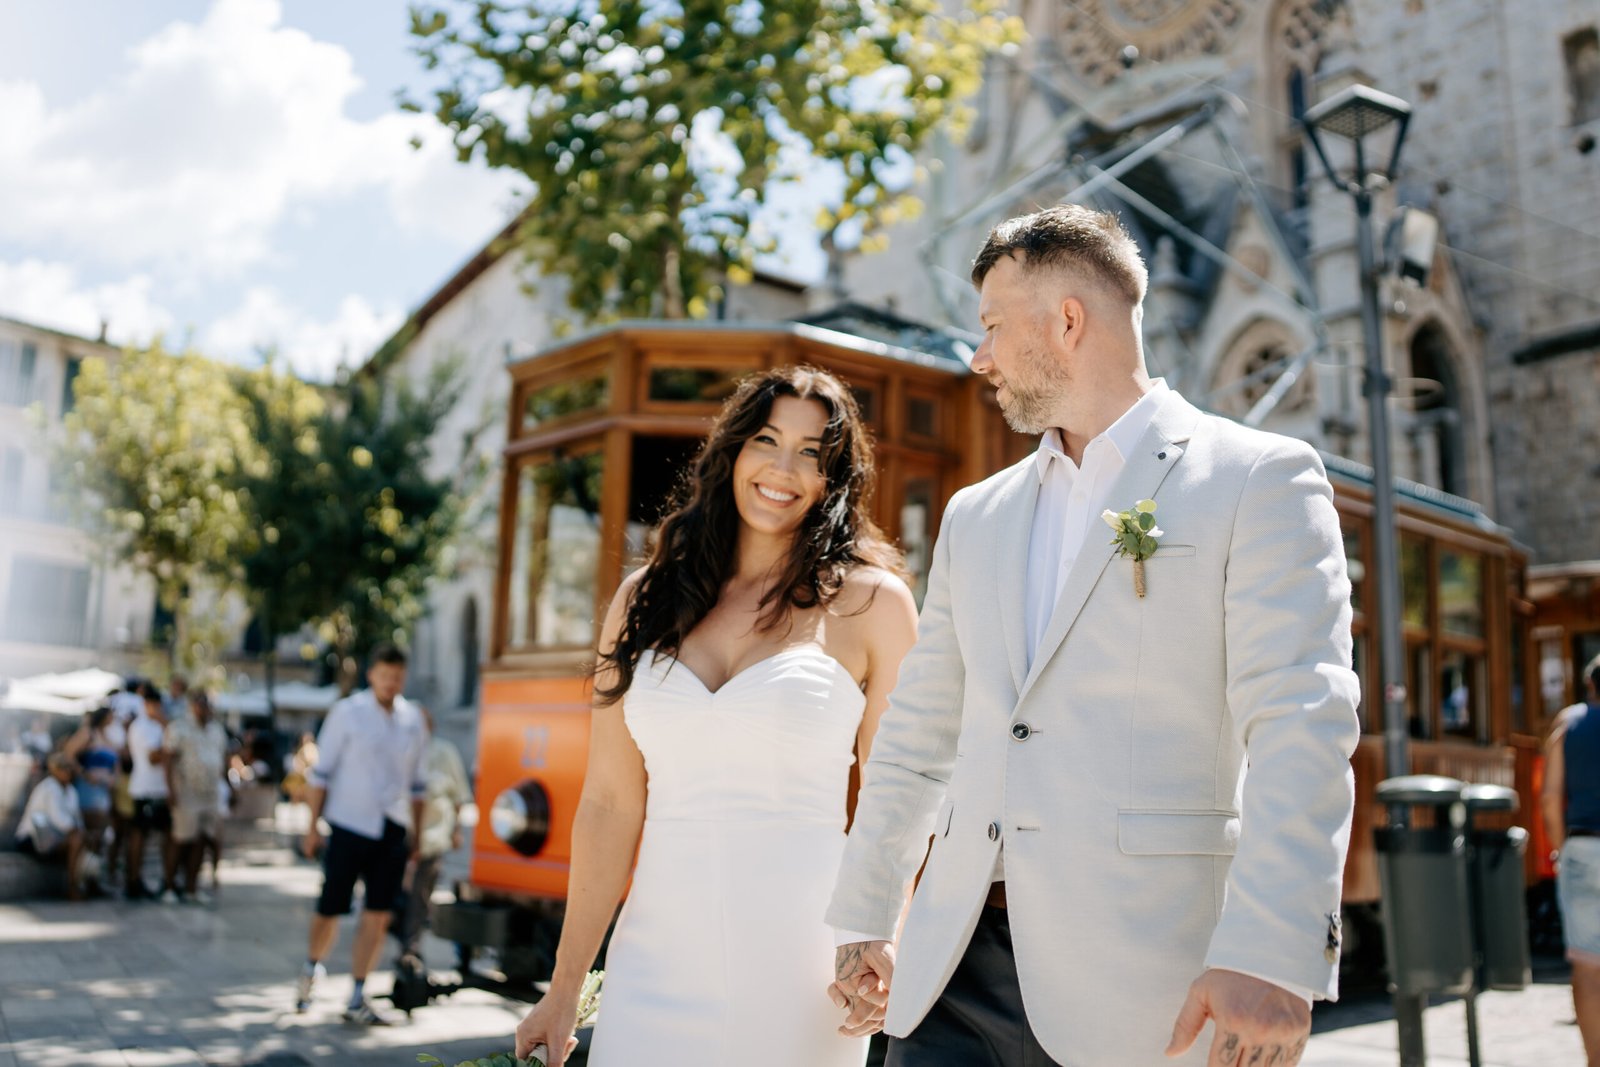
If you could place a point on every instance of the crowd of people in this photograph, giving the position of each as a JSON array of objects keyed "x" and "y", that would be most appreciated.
[{"x": 144, "y": 769}]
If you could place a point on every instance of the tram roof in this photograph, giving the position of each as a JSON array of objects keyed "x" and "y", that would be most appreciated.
[
  {"x": 1436, "y": 500},
  {"x": 945, "y": 356}
]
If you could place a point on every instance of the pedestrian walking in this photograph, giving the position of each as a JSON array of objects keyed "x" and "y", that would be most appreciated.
[
  {"x": 198, "y": 748},
  {"x": 369, "y": 784},
  {"x": 1570, "y": 802},
  {"x": 448, "y": 790}
]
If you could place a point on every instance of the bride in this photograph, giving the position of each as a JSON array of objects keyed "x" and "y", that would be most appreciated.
[{"x": 740, "y": 674}]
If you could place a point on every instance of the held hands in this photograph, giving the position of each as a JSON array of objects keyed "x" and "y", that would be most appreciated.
[
  {"x": 862, "y": 972},
  {"x": 547, "y": 1029},
  {"x": 1256, "y": 1021}
]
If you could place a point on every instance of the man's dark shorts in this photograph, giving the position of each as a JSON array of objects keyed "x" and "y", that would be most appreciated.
[
  {"x": 152, "y": 815},
  {"x": 380, "y": 864}
]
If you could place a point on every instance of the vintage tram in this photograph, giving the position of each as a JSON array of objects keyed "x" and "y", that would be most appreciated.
[{"x": 602, "y": 426}]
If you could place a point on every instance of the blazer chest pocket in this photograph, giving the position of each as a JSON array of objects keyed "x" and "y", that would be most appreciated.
[
  {"x": 1177, "y": 833},
  {"x": 1166, "y": 551}
]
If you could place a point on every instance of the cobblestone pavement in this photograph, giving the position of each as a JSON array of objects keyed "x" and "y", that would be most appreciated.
[{"x": 108, "y": 984}]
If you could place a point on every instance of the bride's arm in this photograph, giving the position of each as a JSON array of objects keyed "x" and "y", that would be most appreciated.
[
  {"x": 605, "y": 829},
  {"x": 888, "y": 629}
]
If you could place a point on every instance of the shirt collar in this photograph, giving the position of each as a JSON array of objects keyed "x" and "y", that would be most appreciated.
[{"x": 1123, "y": 434}]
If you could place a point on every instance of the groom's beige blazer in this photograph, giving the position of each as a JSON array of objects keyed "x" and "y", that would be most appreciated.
[{"x": 1112, "y": 771}]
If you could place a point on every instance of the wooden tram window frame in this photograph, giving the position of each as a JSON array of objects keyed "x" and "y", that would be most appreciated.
[
  {"x": 556, "y": 658},
  {"x": 735, "y": 356}
]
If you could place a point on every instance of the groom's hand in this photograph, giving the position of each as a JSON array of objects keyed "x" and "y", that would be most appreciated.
[
  {"x": 1256, "y": 1021},
  {"x": 862, "y": 972}
]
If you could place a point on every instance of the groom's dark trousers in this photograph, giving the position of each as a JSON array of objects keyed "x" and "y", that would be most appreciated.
[{"x": 978, "y": 1020}]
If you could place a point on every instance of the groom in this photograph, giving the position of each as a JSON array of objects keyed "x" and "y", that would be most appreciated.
[{"x": 1104, "y": 872}]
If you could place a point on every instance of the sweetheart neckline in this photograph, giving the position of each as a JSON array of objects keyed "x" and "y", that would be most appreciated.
[{"x": 736, "y": 675}]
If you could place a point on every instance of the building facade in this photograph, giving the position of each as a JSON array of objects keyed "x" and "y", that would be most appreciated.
[
  {"x": 1183, "y": 117},
  {"x": 63, "y": 603}
]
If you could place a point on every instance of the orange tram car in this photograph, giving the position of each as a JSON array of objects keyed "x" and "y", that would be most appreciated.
[{"x": 602, "y": 427}]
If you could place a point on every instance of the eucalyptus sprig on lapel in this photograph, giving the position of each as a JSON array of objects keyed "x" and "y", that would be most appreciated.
[{"x": 1136, "y": 532}]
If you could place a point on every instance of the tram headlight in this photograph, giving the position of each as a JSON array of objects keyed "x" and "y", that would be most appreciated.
[{"x": 521, "y": 817}]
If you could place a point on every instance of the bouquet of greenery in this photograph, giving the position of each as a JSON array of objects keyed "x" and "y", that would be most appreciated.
[{"x": 588, "y": 1012}]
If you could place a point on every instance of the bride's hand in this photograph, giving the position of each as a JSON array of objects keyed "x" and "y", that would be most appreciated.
[{"x": 550, "y": 1024}]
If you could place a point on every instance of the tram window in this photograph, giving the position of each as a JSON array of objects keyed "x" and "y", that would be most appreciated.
[
  {"x": 707, "y": 385},
  {"x": 916, "y": 532},
  {"x": 1461, "y": 592},
  {"x": 922, "y": 416},
  {"x": 1519, "y": 689},
  {"x": 567, "y": 397},
  {"x": 867, "y": 401},
  {"x": 1355, "y": 563},
  {"x": 1460, "y": 694},
  {"x": 1358, "y": 663},
  {"x": 555, "y": 553},
  {"x": 1414, "y": 580},
  {"x": 659, "y": 465},
  {"x": 1419, "y": 691}
]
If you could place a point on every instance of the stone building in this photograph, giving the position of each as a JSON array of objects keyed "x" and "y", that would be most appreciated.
[
  {"x": 1191, "y": 134},
  {"x": 65, "y": 606}
]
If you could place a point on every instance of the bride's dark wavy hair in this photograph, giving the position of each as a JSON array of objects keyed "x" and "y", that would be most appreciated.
[{"x": 697, "y": 542}]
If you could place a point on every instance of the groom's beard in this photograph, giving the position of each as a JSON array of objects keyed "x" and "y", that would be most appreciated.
[{"x": 1032, "y": 395}]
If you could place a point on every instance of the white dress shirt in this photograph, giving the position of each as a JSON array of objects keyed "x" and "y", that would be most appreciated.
[
  {"x": 148, "y": 779},
  {"x": 52, "y": 807},
  {"x": 370, "y": 762}
]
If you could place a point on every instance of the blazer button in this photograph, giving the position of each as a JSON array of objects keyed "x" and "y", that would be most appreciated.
[
  {"x": 1021, "y": 731},
  {"x": 994, "y": 831}
]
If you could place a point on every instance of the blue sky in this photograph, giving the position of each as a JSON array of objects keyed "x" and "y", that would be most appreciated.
[{"x": 234, "y": 173}]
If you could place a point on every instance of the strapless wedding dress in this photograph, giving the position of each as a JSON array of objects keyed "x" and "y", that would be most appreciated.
[{"x": 720, "y": 957}]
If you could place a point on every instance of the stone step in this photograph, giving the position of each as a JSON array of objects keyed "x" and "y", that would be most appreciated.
[{"x": 23, "y": 877}]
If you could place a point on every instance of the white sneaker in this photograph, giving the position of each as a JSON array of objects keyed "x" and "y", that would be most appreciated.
[
  {"x": 169, "y": 897},
  {"x": 304, "y": 985}
]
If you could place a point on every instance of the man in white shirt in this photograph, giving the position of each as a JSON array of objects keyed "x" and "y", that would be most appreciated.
[
  {"x": 150, "y": 787},
  {"x": 369, "y": 784},
  {"x": 52, "y": 824},
  {"x": 1074, "y": 723}
]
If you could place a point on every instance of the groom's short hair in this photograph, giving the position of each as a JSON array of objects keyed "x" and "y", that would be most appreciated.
[{"x": 1068, "y": 235}]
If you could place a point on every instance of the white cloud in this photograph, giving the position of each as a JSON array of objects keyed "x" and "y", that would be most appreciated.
[
  {"x": 215, "y": 133},
  {"x": 315, "y": 349},
  {"x": 50, "y": 294}
]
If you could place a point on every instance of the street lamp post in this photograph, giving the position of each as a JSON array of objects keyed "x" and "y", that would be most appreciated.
[{"x": 1354, "y": 113}]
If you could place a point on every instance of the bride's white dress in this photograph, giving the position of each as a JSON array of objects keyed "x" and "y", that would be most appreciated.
[{"x": 721, "y": 957}]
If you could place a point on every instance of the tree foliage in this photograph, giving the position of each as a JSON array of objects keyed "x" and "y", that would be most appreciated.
[
  {"x": 607, "y": 106},
  {"x": 315, "y": 505},
  {"x": 157, "y": 443}
]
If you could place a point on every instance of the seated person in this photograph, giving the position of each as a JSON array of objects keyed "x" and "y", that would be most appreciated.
[{"x": 52, "y": 823}]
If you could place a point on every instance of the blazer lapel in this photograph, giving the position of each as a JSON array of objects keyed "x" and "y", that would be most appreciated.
[
  {"x": 1013, "y": 522},
  {"x": 1156, "y": 453}
]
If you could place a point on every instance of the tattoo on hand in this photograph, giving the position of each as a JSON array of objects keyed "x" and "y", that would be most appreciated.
[
  {"x": 1230, "y": 1049},
  {"x": 1255, "y": 1057},
  {"x": 848, "y": 962}
]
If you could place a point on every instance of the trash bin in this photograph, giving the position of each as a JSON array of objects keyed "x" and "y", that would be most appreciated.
[
  {"x": 1422, "y": 871},
  {"x": 1500, "y": 905}
]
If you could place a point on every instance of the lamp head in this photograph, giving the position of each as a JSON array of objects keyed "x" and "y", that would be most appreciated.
[{"x": 1354, "y": 114}]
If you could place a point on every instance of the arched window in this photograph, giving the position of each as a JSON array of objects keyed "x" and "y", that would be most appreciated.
[
  {"x": 1254, "y": 361},
  {"x": 1436, "y": 403}
]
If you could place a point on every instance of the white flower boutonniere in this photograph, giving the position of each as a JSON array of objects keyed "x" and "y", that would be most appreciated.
[{"x": 1136, "y": 532}]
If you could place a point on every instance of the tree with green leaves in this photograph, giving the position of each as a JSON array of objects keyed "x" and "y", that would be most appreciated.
[
  {"x": 608, "y": 105},
  {"x": 158, "y": 443},
  {"x": 383, "y": 525}
]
